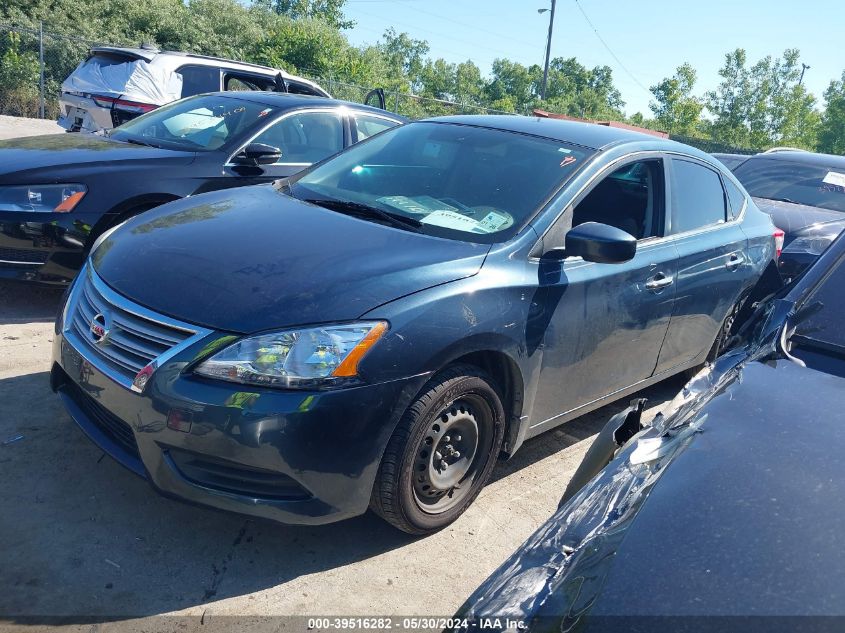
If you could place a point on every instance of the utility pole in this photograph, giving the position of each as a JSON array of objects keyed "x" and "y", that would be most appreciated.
[
  {"x": 804, "y": 67},
  {"x": 548, "y": 48},
  {"x": 41, "y": 68}
]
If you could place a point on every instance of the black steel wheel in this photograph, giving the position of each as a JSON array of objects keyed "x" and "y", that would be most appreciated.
[{"x": 442, "y": 452}]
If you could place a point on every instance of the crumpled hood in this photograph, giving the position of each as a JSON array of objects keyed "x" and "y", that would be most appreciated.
[
  {"x": 253, "y": 259},
  {"x": 55, "y": 157},
  {"x": 741, "y": 516},
  {"x": 794, "y": 217}
]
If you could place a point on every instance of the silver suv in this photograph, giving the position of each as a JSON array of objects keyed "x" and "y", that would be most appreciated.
[{"x": 114, "y": 85}]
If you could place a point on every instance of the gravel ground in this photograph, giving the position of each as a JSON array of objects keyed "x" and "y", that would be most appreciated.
[{"x": 80, "y": 536}]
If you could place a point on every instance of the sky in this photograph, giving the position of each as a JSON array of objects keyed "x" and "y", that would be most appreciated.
[{"x": 649, "y": 39}]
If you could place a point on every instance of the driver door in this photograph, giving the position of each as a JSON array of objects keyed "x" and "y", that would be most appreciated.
[{"x": 601, "y": 326}]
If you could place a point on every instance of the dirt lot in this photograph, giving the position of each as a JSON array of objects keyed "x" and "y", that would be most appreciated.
[
  {"x": 13, "y": 127},
  {"x": 80, "y": 536}
]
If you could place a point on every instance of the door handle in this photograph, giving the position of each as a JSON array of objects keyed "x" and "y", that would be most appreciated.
[
  {"x": 734, "y": 261},
  {"x": 658, "y": 282}
]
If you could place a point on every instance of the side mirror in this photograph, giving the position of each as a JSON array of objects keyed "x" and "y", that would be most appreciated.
[
  {"x": 600, "y": 243},
  {"x": 256, "y": 154}
]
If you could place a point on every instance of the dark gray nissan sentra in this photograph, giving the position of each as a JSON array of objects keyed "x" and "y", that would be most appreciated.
[{"x": 377, "y": 330}]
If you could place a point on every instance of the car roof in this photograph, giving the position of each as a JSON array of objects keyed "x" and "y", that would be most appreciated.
[
  {"x": 590, "y": 135},
  {"x": 803, "y": 157},
  {"x": 291, "y": 101}
]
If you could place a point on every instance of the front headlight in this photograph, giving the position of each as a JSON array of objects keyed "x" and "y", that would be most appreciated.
[
  {"x": 41, "y": 198},
  {"x": 811, "y": 245},
  {"x": 295, "y": 358}
]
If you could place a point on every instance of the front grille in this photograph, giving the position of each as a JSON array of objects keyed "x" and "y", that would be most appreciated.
[
  {"x": 134, "y": 336},
  {"x": 226, "y": 476},
  {"x": 22, "y": 256},
  {"x": 109, "y": 424}
]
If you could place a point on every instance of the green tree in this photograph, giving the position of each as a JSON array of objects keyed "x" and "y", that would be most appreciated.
[
  {"x": 676, "y": 110},
  {"x": 329, "y": 11},
  {"x": 832, "y": 126}
]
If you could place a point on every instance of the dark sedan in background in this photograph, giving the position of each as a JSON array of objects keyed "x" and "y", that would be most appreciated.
[
  {"x": 377, "y": 330},
  {"x": 726, "y": 513},
  {"x": 804, "y": 193},
  {"x": 59, "y": 193}
]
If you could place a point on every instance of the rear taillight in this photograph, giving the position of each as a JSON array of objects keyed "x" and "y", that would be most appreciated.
[
  {"x": 123, "y": 104},
  {"x": 134, "y": 106},
  {"x": 778, "y": 235},
  {"x": 104, "y": 102}
]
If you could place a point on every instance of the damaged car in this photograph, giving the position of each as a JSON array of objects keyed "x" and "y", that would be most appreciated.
[
  {"x": 376, "y": 331},
  {"x": 114, "y": 85},
  {"x": 724, "y": 512}
]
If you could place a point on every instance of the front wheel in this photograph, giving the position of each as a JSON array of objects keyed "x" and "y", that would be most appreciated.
[{"x": 441, "y": 453}]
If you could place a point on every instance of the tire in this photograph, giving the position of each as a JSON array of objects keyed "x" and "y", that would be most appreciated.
[
  {"x": 441, "y": 453},
  {"x": 719, "y": 344}
]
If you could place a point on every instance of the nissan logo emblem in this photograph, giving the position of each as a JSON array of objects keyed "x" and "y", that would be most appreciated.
[{"x": 99, "y": 328}]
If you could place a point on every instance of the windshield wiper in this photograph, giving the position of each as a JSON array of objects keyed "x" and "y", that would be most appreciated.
[
  {"x": 789, "y": 200},
  {"x": 362, "y": 210},
  {"x": 136, "y": 141}
]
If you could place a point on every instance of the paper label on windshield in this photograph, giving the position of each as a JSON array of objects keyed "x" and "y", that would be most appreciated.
[
  {"x": 418, "y": 205},
  {"x": 834, "y": 178},
  {"x": 453, "y": 220}
]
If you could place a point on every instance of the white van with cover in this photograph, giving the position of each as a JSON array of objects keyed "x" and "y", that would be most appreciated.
[{"x": 114, "y": 85}]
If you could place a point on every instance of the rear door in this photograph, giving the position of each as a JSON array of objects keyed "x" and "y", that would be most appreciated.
[
  {"x": 713, "y": 264},
  {"x": 601, "y": 326}
]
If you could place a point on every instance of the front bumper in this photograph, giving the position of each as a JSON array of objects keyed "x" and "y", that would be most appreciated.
[
  {"x": 43, "y": 247},
  {"x": 302, "y": 457}
]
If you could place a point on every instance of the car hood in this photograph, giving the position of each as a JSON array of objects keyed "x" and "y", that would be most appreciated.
[
  {"x": 49, "y": 158},
  {"x": 794, "y": 217},
  {"x": 254, "y": 259},
  {"x": 740, "y": 516}
]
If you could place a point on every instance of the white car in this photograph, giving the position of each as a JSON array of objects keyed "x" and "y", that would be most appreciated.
[{"x": 114, "y": 85}]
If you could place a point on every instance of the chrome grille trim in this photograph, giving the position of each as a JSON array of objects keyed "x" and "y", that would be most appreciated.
[{"x": 137, "y": 337}]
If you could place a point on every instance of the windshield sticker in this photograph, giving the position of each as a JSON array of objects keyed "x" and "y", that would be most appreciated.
[
  {"x": 264, "y": 112},
  {"x": 834, "y": 178},
  {"x": 563, "y": 150},
  {"x": 431, "y": 150},
  {"x": 418, "y": 205},
  {"x": 494, "y": 221},
  {"x": 567, "y": 161},
  {"x": 453, "y": 220}
]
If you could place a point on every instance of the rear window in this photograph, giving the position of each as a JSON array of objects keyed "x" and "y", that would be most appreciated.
[
  {"x": 116, "y": 75},
  {"x": 798, "y": 182}
]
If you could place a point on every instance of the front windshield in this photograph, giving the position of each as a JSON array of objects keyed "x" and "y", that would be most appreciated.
[
  {"x": 456, "y": 181},
  {"x": 798, "y": 182},
  {"x": 196, "y": 124}
]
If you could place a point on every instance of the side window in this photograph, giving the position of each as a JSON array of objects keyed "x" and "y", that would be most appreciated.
[
  {"x": 631, "y": 198},
  {"x": 199, "y": 79},
  {"x": 367, "y": 125},
  {"x": 736, "y": 199},
  {"x": 698, "y": 199},
  {"x": 305, "y": 137},
  {"x": 296, "y": 88},
  {"x": 233, "y": 81}
]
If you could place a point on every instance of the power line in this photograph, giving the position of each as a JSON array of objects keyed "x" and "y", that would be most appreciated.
[{"x": 609, "y": 50}]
